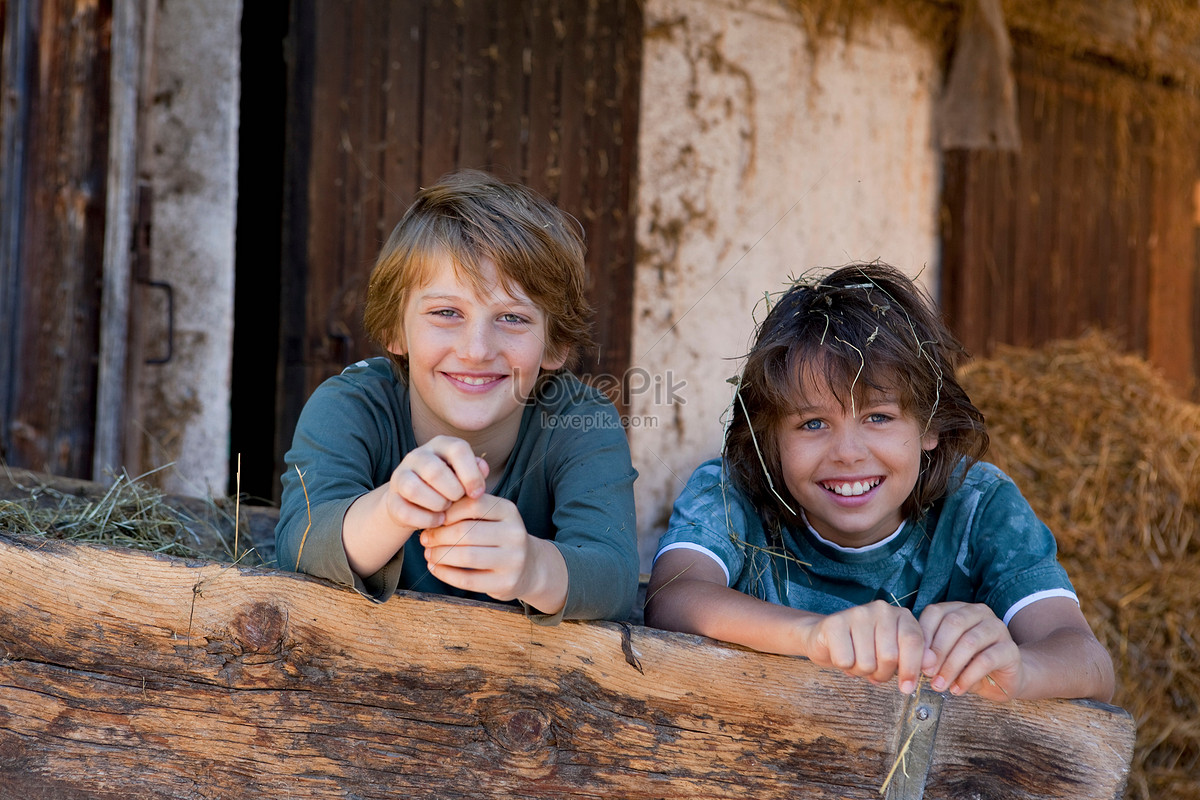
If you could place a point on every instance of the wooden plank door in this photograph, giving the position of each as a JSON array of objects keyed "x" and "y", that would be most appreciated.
[
  {"x": 53, "y": 170},
  {"x": 1090, "y": 225},
  {"x": 388, "y": 96}
]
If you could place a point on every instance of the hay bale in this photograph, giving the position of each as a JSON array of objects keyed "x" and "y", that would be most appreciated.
[{"x": 1109, "y": 457}]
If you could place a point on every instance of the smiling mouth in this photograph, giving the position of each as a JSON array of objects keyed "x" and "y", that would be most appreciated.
[
  {"x": 475, "y": 380},
  {"x": 852, "y": 488}
]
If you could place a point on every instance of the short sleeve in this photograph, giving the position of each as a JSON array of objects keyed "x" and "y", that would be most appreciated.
[
  {"x": 710, "y": 516},
  {"x": 1014, "y": 558}
]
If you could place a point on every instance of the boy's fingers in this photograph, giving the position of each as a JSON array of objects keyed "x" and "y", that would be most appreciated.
[
  {"x": 410, "y": 487},
  {"x": 979, "y": 650},
  {"x": 836, "y": 642},
  {"x": 911, "y": 654},
  {"x": 455, "y": 534},
  {"x": 950, "y": 627},
  {"x": 863, "y": 661},
  {"x": 423, "y": 467},
  {"x": 410, "y": 515},
  {"x": 485, "y": 507},
  {"x": 462, "y": 460}
]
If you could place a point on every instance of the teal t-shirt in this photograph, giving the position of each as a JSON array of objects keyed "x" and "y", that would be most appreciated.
[
  {"x": 982, "y": 543},
  {"x": 569, "y": 475}
]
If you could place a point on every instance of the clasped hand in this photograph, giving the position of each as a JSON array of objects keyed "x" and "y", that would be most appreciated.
[
  {"x": 960, "y": 647},
  {"x": 473, "y": 540}
]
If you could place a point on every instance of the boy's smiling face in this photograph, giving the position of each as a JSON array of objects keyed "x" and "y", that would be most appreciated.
[
  {"x": 851, "y": 469},
  {"x": 474, "y": 355}
]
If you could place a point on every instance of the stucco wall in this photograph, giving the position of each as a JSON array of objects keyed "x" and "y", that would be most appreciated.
[
  {"x": 760, "y": 157},
  {"x": 193, "y": 126}
]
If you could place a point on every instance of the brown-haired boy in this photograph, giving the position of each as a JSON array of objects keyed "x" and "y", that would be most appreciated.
[{"x": 513, "y": 475}]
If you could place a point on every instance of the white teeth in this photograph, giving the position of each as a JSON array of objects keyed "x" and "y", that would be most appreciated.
[
  {"x": 470, "y": 381},
  {"x": 851, "y": 489}
]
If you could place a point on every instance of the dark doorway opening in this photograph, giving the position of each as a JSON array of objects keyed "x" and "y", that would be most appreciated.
[{"x": 259, "y": 251}]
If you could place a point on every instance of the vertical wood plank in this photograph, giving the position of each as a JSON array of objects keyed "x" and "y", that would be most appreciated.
[
  {"x": 362, "y": 182},
  {"x": 1139, "y": 227},
  {"x": 441, "y": 104},
  {"x": 506, "y": 149},
  {"x": 479, "y": 63},
  {"x": 368, "y": 144},
  {"x": 965, "y": 278},
  {"x": 1026, "y": 200},
  {"x": 330, "y": 212},
  {"x": 618, "y": 337},
  {"x": 1170, "y": 339},
  {"x": 984, "y": 241},
  {"x": 61, "y": 239},
  {"x": 602, "y": 118},
  {"x": 950, "y": 211},
  {"x": 293, "y": 388},
  {"x": 572, "y": 157},
  {"x": 1050, "y": 286},
  {"x": 1065, "y": 317},
  {"x": 1097, "y": 260},
  {"x": 402, "y": 119},
  {"x": 543, "y": 97},
  {"x": 121, "y": 204},
  {"x": 15, "y": 62}
]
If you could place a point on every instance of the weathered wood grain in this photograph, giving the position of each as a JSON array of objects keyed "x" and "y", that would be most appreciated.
[{"x": 127, "y": 674}]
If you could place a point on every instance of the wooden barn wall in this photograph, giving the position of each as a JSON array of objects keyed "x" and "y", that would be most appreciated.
[
  {"x": 388, "y": 96},
  {"x": 53, "y": 162},
  {"x": 1090, "y": 225}
]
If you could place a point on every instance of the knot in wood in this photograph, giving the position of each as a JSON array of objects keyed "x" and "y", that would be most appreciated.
[
  {"x": 258, "y": 628},
  {"x": 523, "y": 730}
]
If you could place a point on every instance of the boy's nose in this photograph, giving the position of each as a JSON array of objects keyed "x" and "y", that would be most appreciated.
[
  {"x": 848, "y": 444},
  {"x": 477, "y": 342}
]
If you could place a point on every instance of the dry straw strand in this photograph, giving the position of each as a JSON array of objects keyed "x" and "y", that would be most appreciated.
[{"x": 308, "y": 508}]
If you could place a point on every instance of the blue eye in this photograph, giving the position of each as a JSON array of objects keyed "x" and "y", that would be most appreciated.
[
  {"x": 878, "y": 418},
  {"x": 514, "y": 319},
  {"x": 811, "y": 425}
]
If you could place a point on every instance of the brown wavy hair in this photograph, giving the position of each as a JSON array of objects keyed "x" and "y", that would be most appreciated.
[
  {"x": 861, "y": 329},
  {"x": 471, "y": 215}
]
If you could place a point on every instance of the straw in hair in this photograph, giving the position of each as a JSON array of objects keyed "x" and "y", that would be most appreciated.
[{"x": 859, "y": 330}]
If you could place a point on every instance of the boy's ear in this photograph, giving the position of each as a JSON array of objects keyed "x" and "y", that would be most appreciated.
[
  {"x": 929, "y": 440},
  {"x": 554, "y": 357}
]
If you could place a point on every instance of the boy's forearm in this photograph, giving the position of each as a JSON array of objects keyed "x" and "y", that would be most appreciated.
[
  {"x": 369, "y": 536},
  {"x": 1069, "y": 663},
  {"x": 719, "y": 612}
]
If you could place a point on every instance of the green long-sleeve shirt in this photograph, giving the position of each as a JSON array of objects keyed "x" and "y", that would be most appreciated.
[{"x": 569, "y": 475}]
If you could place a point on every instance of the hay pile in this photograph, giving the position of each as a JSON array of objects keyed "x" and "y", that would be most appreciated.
[
  {"x": 1109, "y": 457},
  {"x": 128, "y": 513}
]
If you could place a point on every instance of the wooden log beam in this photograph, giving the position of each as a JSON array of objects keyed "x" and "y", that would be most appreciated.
[{"x": 127, "y": 674}]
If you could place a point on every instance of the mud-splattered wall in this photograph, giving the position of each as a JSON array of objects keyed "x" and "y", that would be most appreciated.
[{"x": 762, "y": 154}]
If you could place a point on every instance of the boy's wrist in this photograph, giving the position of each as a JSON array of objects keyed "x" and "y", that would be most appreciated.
[
  {"x": 370, "y": 537},
  {"x": 801, "y": 631},
  {"x": 546, "y": 574}
]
